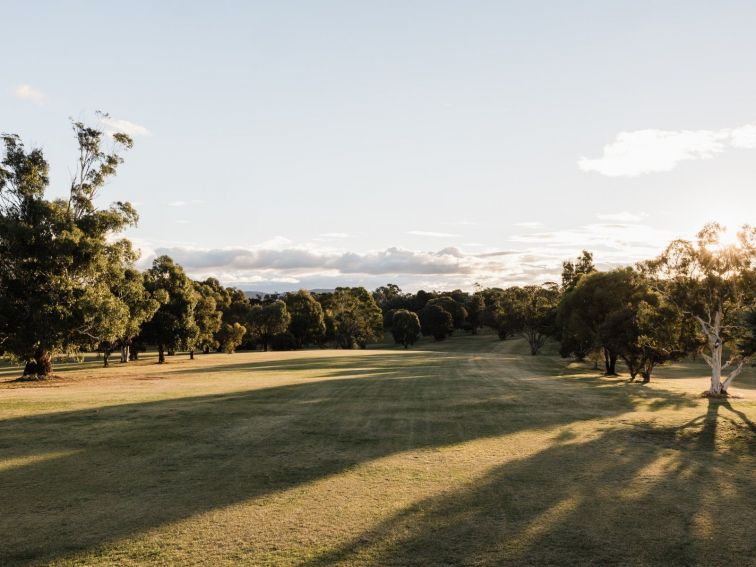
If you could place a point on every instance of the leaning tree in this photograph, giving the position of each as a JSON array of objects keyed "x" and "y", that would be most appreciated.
[
  {"x": 55, "y": 289},
  {"x": 713, "y": 283}
]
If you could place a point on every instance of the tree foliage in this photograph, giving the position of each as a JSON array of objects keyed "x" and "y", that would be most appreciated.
[
  {"x": 452, "y": 306},
  {"x": 307, "y": 323},
  {"x": 355, "y": 317},
  {"x": 55, "y": 293},
  {"x": 436, "y": 321},
  {"x": 173, "y": 326},
  {"x": 405, "y": 327},
  {"x": 712, "y": 283},
  {"x": 230, "y": 336},
  {"x": 268, "y": 320}
]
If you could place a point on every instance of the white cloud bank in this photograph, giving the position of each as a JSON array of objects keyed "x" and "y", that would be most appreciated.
[
  {"x": 530, "y": 257},
  {"x": 27, "y": 92},
  {"x": 650, "y": 151},
  {"x": 114, "y": 125}
]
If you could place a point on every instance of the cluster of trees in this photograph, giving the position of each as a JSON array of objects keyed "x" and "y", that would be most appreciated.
[
  {"x": 698, "y": 298},
  {"x": 68, "y": 283}
]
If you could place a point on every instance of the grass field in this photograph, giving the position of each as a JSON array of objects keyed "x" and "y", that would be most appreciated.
[{"x": 467, "y": 452}]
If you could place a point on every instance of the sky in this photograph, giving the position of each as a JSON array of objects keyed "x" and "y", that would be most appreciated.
[{"x": 432, "y": 144}]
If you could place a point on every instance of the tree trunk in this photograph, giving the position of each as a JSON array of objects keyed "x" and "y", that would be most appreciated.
[
  {"x": 106, "y": 359},
  {"x": 40, "y": 365},
  {"x": 610, "y": 363},
  {"x": 124, "y": 353},
  {"x": 714, "y": 358},
  {"x": 161, "y": 354},
  {"x": 134, "y": 354},
  {"x": 191, "y": 354}
]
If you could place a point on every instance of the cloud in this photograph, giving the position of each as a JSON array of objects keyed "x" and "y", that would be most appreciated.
[
  {"x": 432, "y": 234},
  {"x": 624, "y": 216},
  {"x": 744, "y": 137},
  {"x": 617, "y": 242},
  {"x": 496, "y": 254},
  {"x": 27, "y": 92},
  {"x": 301, "y": 260},
  {"x": 113, "y": 126},
  {"x": 649, "y": 151},
  {"x": 531, "y": 257}
]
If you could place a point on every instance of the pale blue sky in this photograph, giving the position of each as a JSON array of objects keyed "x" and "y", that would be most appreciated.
[{"x": 313, "y": 143}]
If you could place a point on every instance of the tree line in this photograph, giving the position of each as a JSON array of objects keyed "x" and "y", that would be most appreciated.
[
  {"x": 697, "y": 299},
  {"x": 68, "y": 284}
]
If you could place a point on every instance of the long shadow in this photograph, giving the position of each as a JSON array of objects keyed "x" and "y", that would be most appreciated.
[
  {"x": 620, "y": 499},
  {"x": 73, "y": 481},
  {"x": 330, "y": 365}
]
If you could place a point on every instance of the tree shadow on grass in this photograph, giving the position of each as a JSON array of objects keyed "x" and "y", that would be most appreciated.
[
  {"x": 72, "y": 481},
  {"x": 620, "y": 499},
  {"x": 332, "y": 366}
]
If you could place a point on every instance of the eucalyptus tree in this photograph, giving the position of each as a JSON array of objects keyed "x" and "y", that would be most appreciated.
[
  {"x": 533, "y": 313},
  {"x": 476, "y": 307},
  {"x": 173, "y": 326},
  {"x": 529, "y": 311},
  {"x": 208, "y": 318},
  {"x": 454, "y": 307},
  {"x": 230, "y": 336},
  {"x": 713, "y": 283},
  {"x": 405, "y": 327},
  {"x": 127, "y": 284},
  {"x": 268, "y": 320},
  {"x": 585, "y": 308},
  {"x": 572, "y": 271},
  {"x": 54, "y": 290},
  {"x": 237, "y": 308},
  {"x": 355, "y": 317},
  {"x": 307, "y": 323},
  {"x": 646, "y": 332},
  {"x": 436, "y": 321}
]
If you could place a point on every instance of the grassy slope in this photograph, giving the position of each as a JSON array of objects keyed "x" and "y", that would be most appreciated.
[{"x": 468, "y": 452}]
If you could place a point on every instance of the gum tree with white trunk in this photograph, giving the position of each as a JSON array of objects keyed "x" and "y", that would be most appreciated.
[{"x": 713, "y": 282}]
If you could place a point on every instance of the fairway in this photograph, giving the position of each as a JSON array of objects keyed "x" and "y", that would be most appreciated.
[{"x": 464, "y": 452}]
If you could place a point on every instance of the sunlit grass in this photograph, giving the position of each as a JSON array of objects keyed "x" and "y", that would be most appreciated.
[{"x": 468, "y": 451}]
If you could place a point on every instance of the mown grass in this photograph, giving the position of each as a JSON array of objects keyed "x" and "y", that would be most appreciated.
[{"x": 467, "y": 452}]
